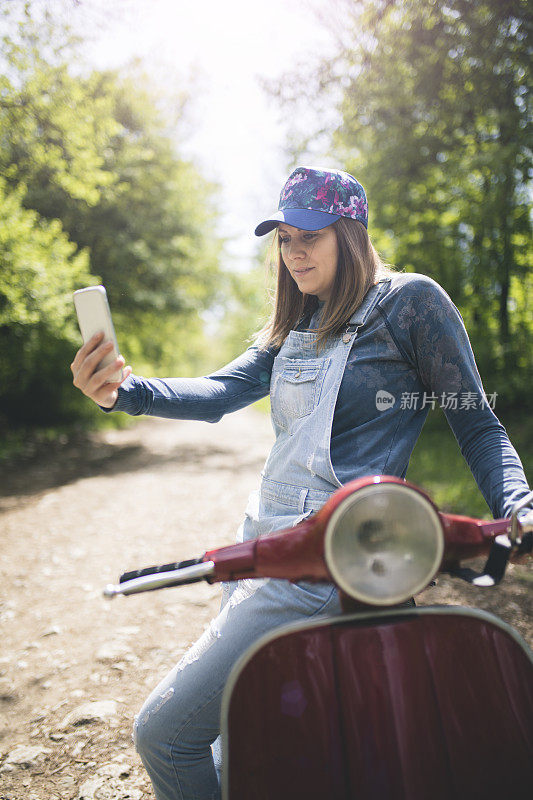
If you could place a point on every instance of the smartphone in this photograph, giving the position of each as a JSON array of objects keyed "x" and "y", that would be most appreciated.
[{"x": 94, "y": 315}]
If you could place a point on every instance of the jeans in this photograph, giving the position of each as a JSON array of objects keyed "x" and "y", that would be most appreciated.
[{"x": 180, "y": 721}]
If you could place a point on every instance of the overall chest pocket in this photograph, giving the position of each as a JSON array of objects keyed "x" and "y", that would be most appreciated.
[{"x": 295, "y": 388}]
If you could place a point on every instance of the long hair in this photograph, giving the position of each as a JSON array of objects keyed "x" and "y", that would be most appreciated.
[{"x": 359, "y": 266}]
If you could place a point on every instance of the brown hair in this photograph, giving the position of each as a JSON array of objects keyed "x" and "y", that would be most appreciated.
[{"x": 359, "y": 266}]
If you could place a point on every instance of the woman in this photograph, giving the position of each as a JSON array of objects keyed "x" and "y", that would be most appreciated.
[{"x": 354, "y": 357}]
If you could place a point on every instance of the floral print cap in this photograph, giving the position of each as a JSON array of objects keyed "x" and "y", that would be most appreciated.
[{"x": 313, "y": 198}]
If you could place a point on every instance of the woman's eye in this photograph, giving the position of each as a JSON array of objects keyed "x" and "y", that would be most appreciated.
[{"x": 306, "y": 237}]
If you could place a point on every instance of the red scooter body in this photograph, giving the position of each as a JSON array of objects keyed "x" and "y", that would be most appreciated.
[
  {"x": 414, "y": 704},
  {"x": 388, "y": 702}
]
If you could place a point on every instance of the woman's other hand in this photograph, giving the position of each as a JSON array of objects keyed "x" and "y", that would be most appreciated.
[{"x": 92, "y": 382}]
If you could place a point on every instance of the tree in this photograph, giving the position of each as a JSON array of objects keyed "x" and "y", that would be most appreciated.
[
  {"x": 39, "y": 270},
  {"x": 151, "y": 231},
  {"x": 93, "y": 150},
  {"x": 247, "y": 304},
  {"x": 95, "y": 171},
  {"x": 434, "y": 108}
]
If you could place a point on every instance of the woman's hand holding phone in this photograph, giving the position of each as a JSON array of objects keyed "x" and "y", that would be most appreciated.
[{"x": 93, "y": 382}]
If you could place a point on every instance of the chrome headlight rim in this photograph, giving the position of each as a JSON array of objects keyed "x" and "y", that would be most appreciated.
[{"x": 434, "y": 528}]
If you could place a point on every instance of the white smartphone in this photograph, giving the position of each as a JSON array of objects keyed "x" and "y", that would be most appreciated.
[{"x": 94, "y": 315}]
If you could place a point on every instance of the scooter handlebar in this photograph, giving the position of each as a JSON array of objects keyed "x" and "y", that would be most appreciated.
[
  {"x": 152, "y": 578},
  {"x": 297, "y": 553}
]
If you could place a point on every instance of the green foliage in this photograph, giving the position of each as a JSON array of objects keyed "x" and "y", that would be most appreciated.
[
  {"x": 92, "y": 185},
  {"x": 246, "y": 310},
  {"x": 145, "y": 215},
  {"x": 435, "y": 114},
  {"x": 39, "y": 270},
  {"x": 53, "y": 129}
]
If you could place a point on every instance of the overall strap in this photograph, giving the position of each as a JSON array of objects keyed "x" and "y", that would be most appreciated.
[{"x": 370, "y": 299}]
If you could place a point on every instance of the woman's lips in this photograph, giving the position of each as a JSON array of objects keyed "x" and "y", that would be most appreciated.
[{"x": 300, "y": 272}]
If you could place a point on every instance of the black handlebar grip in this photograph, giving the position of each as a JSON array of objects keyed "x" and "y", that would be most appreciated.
[{"x": 139, "y": 573}]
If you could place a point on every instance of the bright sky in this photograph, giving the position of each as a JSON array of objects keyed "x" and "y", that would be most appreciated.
[{"x": 237, "y": 134}]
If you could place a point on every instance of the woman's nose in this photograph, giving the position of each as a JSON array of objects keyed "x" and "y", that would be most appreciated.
[{"x": 297, "y": 250}]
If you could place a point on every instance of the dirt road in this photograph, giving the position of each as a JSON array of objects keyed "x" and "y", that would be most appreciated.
[{"x": 75, "y": 668}]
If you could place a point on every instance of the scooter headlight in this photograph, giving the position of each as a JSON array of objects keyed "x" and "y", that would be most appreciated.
[{"x": 384, "y": 543}]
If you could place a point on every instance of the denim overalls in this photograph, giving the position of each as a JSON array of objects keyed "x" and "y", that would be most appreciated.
[{"x": 180, "y": 720}]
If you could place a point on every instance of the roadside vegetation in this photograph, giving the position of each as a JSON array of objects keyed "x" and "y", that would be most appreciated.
[
  {"x": 426, "y": 103},
  {"x": 93, "y": 188}
]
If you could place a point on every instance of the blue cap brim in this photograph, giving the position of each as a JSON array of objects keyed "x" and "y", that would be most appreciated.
[{"x": 302, "y": 218}]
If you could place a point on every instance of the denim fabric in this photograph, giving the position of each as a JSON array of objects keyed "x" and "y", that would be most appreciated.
[
  {"x": 407, "y": 336},
  {"x": 180, "y": 720},
  {"x": 177, "y": 730},
  {"x": 413, "y": 347}
]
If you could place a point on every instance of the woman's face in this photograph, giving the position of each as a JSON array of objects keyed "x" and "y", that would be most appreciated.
[{"x": 311, "y": 257}]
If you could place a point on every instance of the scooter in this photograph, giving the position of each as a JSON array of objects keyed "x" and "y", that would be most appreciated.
[{"x": 386, "y": 700}]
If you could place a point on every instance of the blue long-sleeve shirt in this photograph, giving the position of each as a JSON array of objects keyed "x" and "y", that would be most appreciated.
[{"x": 412, "y": 354}]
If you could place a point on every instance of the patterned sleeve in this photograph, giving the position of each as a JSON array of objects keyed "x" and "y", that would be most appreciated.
[
  {"x": 432, "y": 332},
  {"x": 243, "y": 381}
]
